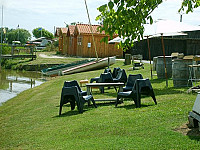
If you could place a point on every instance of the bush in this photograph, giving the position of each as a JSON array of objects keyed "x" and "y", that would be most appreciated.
[
  {"x": 50, "y": 47},
  {"x": 6, "y": 49}
]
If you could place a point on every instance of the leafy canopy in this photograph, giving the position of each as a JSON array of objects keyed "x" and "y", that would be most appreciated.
[
  {"x": 127, "y": 17},
  {"x": 38, "y": 32},
  {"x": 21, "y": 35}
]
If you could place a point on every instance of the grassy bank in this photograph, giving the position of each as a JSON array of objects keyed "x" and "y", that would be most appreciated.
[
  {"x": 31, "y": 121},
  {"x": 19, "y": 63}
]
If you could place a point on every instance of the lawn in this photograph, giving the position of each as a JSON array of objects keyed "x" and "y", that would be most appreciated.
[{"x": 31, "y": 121}]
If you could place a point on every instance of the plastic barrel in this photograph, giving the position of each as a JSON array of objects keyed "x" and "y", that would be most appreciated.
[{"x": 160, "y": 67}]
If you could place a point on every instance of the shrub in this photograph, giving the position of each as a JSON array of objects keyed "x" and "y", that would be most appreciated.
[{"x": 6, "y": 49}]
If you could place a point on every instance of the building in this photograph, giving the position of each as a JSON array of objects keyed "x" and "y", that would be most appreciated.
[
  {"x": 70, "y": 40},
  {"x": 78, "y": 41},
  {"x": 187, "y": 44},
  {"x": 178, "y": 37},
  {"x": 62, "y": 34}
]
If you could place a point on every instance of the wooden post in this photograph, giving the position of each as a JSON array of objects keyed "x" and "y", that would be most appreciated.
[
  {"x": 149, "y": 57},
  {"x": 164, "y": 59}
]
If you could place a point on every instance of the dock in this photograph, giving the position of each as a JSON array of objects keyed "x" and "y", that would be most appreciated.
[{"x": 18, "y": 56}]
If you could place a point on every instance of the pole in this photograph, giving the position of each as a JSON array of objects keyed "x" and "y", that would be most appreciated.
[
  {"x": 149, "y": 57},
  {"x": 18, "y": 32},
  {"x": 41, "y": 32},
  {"x": 91, "y": 30},
  {"x": 1, "y": 38},
  {"x": 164, "y": 59}
]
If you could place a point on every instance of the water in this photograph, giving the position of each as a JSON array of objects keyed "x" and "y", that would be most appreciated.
[{"x": 14, "y": 82}]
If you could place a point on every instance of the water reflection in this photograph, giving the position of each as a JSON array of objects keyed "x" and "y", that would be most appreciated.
[{"x": 14, "y": 82}]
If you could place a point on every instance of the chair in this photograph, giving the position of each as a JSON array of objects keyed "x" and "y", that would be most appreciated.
[
  {"x": 107, "y": 70},
  {"x": 74, "y": 83},
  {"x": 115, "y": 72},
  {"x": 105, "y": 78},
  {"x": 121, "y": 76},
  {"x": 131, "y": 81},
  {"x": 73, "y": 95},
  {"x": 141, "y": 86},
  {"x": 137, "y": 64}
]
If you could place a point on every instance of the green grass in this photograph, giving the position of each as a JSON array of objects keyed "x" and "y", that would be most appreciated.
[{"x": 31, "y": 121}]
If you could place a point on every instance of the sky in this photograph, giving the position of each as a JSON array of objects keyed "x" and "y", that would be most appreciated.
[{"x": 30, "y": 14}]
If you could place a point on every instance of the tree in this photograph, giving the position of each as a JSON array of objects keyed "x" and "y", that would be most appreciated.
[
  {"x": 127, "y": 17},
  {"x": 40, "y": 32},
  {"x": 21, "y": 35},
  {"x": 190, "y": 5}
]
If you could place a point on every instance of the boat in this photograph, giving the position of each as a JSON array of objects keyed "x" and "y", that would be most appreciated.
[
  {"x": 79, "y": 66},
  {"x": 98, "y": 64}
]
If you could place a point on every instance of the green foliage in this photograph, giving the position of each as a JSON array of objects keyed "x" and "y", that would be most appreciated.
[
  {"x": 21, "y": 35},
  {"x": 38, "y": 32},
  {"x": 51, "y": 47},
  {"x": 190, "y": 5},
  {"x": 127, "y": 17},
  {"x": 56, "y": 43},
  {"x": 6, "y": 49}
]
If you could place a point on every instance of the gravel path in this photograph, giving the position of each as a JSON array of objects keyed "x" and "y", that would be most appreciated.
[{"x": 52, "y": 56}]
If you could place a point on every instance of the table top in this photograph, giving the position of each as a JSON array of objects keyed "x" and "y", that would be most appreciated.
[{"x": 104, "y": 84}]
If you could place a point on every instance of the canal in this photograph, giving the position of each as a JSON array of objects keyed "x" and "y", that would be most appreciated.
[{"x": 13, "y": 82}]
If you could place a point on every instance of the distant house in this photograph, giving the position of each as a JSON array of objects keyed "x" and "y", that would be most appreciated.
[
  {"x": 40, "y": 43},
  {"x": 79, "y": 42}
]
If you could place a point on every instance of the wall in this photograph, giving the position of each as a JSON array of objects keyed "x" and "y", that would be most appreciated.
[
  {"x": 171, "y": 45},
  {"x": 103, "y": 49}
]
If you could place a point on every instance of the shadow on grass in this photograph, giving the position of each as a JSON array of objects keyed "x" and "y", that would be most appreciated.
[
  {"x": 191, "y": 132},
  {"x": 191, "y": 135},
  {"x": 132, "y": 106},
  {"x": 157, "y": 80},
  {"x": 157, "y": 90},
  {"x": 72, "y": 112},
  {"x": 99, "y": 104}
]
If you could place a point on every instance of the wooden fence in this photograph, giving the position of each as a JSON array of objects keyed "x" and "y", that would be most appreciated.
[{"x": 20, "y": 52}]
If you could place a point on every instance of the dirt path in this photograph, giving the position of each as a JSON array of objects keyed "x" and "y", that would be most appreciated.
[{"x": 52, "y": 56}]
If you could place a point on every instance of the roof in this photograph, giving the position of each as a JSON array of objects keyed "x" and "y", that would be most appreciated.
[
  {"x": 64, "y": 30},
  {"x": 71, "y": 29},
  {"x": 57, "y": 31},
  {"x": 85, "y": 29},
  {"x": 168, "y": 27}
]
